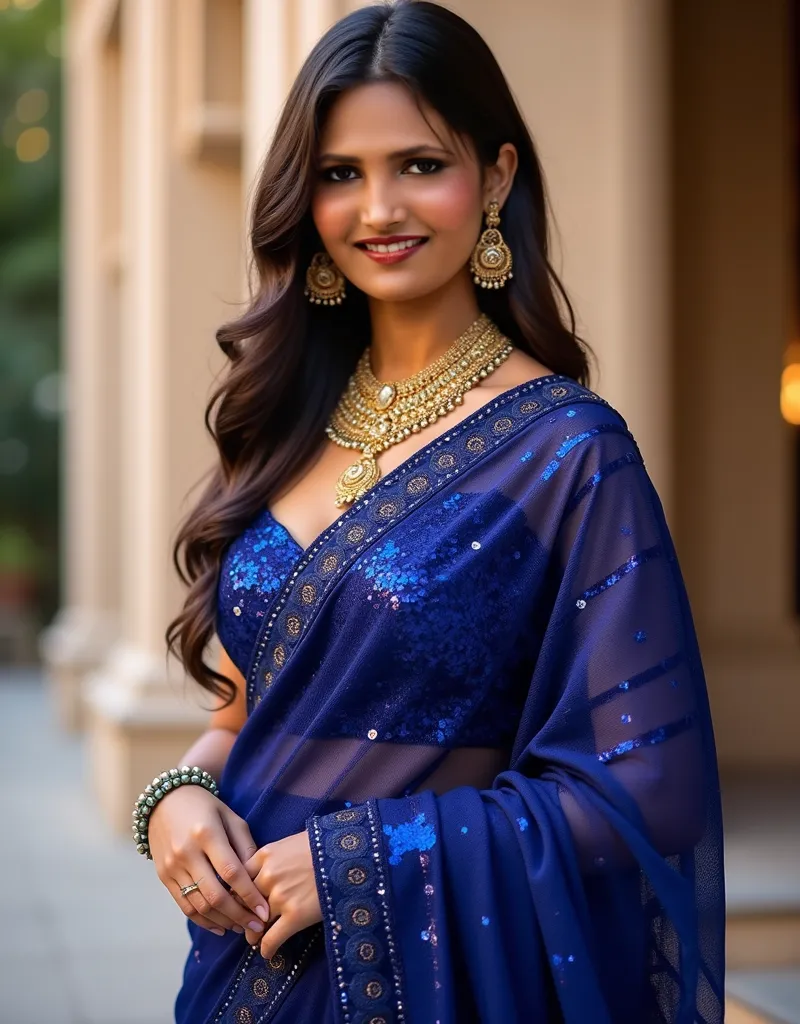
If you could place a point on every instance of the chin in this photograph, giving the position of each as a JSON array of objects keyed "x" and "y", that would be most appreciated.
[{"x": 400, "y": 291}]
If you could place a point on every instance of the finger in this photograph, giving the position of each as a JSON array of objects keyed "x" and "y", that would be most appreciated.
[
  {"x": 211, "y": 898},
  {"x": 239, "y": 835},
  {"x": 275, "y": 937},
  {"x": 263, "y": 884},
  {"x": 231, "y": 871},
  {"x": 216, "y": 922},
  {"x": 254, "y": 938},
  {"x": 204, "y": 922}
]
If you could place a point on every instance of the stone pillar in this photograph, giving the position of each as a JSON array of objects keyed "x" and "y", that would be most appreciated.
[
  {"x": 181, "y": 225},
  {"x": 277, "y": 37},
  {"x": 80, "y": 636}
]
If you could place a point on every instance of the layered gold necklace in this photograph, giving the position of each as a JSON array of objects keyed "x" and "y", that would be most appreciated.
[{"x": 373, "y": 415}]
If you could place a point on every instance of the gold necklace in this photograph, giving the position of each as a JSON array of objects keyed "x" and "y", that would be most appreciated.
[{"x": 373, "y": 415}]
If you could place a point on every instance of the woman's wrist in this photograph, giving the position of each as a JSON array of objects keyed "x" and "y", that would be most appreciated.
[{"x": 155, "y": 791}]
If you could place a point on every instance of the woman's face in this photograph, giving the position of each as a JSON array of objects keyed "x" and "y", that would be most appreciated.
[{"x": 384, "y": 177}]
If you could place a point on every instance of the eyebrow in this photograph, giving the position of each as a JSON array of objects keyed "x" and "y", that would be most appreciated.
[{"x": 397, "y": 155}]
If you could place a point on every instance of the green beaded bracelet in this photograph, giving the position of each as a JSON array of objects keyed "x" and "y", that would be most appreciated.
[{"x": 157, "y": 790}]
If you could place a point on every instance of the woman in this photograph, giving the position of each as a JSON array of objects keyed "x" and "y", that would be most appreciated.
[{"x": 467, "y": 767}]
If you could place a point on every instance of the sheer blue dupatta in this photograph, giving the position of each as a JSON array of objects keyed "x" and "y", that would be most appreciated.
[
  {"x": 583, "y": 884},
  {"x": 480, "y": 693}
]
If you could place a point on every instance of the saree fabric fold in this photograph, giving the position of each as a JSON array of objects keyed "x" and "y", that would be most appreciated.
[{"x": 480, "y": 693}]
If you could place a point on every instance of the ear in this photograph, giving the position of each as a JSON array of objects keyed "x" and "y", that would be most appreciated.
[{"x": 499, "y": 177}]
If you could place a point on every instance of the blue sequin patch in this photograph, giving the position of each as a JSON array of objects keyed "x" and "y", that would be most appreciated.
[
  {"x": 392, "y": 573},
  {"x": 253, "y": 569},
  {"x": 410, "y": 835}
]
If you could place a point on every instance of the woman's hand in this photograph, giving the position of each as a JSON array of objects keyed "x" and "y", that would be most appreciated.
[
  {"x": 284, "y": 873},
  {"x": 194, "y": 837}
]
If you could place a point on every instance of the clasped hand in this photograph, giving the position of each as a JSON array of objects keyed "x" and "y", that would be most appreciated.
[
  {"x": 268, "y": 894},
  {"x": 284, "y": 872}
]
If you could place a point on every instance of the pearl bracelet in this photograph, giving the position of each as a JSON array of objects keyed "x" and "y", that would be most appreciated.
[{"x": 157, "y": 790}]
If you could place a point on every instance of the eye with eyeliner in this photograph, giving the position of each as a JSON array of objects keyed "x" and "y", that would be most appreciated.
[{"x": 328, "y": 173}]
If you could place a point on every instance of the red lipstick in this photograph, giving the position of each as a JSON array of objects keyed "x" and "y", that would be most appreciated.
[{"x": 391, "y": 257}]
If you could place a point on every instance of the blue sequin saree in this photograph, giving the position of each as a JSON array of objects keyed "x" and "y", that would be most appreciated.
[{"x": 480, "y": 693}]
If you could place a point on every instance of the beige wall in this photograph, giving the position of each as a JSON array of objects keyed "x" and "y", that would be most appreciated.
[{"x": 734, "y": 276}]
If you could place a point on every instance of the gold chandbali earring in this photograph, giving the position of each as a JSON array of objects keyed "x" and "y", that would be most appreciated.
[
  {"x": 324, "y": 281},
  {"x": 491, "y": 259},
  {"x": 372, "y": 415}
]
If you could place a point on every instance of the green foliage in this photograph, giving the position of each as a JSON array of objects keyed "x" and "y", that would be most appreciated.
[{"x": 30, "y": 37}]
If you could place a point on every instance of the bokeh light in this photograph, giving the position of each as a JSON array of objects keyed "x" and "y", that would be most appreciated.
[
  {"x": 32, "y": 144},
  {"x": 32, "y": 106},
  {"x": 790, "y": 394}
]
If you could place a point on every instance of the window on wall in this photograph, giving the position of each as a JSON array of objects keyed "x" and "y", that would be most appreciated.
[{"x": 209, "y": 80}]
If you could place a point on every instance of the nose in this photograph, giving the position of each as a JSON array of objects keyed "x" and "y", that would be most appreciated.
[{"x": 381, "y": 209}]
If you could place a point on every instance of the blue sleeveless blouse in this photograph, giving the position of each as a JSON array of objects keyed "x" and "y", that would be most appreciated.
[{"x": 255, "y": 567}]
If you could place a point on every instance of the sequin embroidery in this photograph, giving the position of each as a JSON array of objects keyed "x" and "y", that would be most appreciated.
[
  {"x": 254, "y": 567},
  {"x": 412, "y": 835}
]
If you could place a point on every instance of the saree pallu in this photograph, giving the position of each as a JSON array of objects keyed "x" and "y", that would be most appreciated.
[{"x": 480, "y": 693}]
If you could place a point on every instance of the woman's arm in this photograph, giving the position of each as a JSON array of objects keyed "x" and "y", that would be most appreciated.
[
  {"x": 195, "y": 837},
  {"x": 211, "y": 750}
]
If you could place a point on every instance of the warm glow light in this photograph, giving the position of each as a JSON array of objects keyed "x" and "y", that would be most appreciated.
[
  {"x": 32, "y": 144},
  {"x": 25, "y": 5},
  {"x": 790, "y": 394},
  {"x": 32, "y": 106},
  {"x": 4, "y": 4}
]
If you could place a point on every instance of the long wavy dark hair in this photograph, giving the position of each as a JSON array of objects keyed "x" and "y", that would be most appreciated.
[{"x": 290, "y": 360}]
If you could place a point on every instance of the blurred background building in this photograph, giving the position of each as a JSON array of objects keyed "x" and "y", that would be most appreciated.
[{"x": 667, "y": 130}]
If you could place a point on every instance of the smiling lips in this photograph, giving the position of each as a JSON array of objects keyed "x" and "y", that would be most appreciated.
[{"x": 392, "y": 249}]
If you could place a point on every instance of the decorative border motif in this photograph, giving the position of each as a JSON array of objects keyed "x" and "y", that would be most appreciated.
[
  {"x": 414, "y": 481},
  {"x": 353, "y": 891},
  {"x": 258, "y": 991}
]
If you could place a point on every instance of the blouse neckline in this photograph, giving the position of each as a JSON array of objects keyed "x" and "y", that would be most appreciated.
[{"x": 401, "y": 467}]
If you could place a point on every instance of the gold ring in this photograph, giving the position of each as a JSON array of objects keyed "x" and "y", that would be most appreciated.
[{"x": 186, "y": 889}]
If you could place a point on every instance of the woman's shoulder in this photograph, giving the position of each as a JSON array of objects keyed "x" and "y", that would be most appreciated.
[
  {"x": 557, "y": 394},
  {"x": 564, "y": 430},
  {"x": 562, "y": 408}
]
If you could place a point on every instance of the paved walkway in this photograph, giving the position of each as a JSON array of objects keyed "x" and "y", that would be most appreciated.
[{"x": 89, "y": 935}]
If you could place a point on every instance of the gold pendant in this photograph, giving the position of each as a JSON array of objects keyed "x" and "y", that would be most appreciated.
[
  {"x": 357, "y": 480},
  {"x": 386, "y": 396}
]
